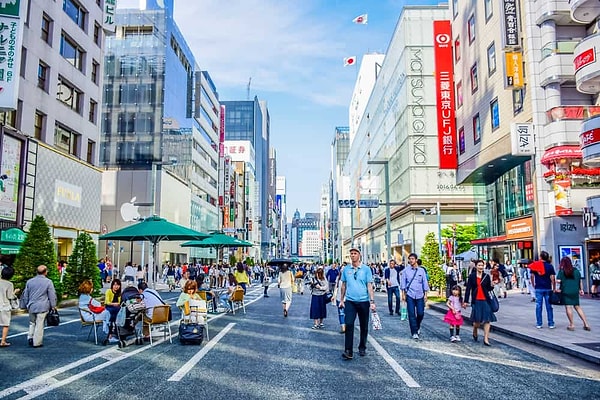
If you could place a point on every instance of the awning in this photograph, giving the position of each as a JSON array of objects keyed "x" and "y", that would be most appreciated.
[
  {"x": 558, "y": 152},
  {"x": 9, "y": 248}
]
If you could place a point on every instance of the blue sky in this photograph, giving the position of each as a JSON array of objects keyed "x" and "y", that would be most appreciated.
[{"x": 294, "y": 51}]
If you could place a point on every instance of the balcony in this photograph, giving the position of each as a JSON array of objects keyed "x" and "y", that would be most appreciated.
[
  {"x": 553, "y": 10},
  {"x": 585, "y": 11},
  {"x": 586, "y": 65},
  {"x": 557, "y": 63},
  {"x": 560, "y": 132},
  {"x": 570, "y": 113}
]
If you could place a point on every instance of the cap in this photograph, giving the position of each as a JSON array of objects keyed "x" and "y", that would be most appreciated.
[{"x": 355, "y": 249}]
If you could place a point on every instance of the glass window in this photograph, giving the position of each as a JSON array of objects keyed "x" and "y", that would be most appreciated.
[
  {"x": 95, "y": 71},
  {"x": 459, "y": 94},
  {"x": 457, "y": 49},
  {"x": 69, "y": 95},
  {"x": 518, "y": 98},
  {"x": 487, "y": 4},
  {"x": 471, "y": 28},
  {"x": 97, "y": 34},
  {"x": 89, "y": 157},
  {"x": 43, "y": 76},
  {"x": 476, "y": 129},
  {"x": 495, "y": 111},
  {"x": 46, "y": 28},
  {"x": 474, "y": 78},
  {"x": 65, "y": 139},
  {"x": 455, "y": 8},
  {"x": 23, "y": 61},
  {"x": 8, "y": 118},
  {"x": 93, "y": 111},
  {"x": 491, "y": 58},
  {"x": 75, "y": 11},
  {"x": 38, "y": 124},
  {"x": 71, "y": 52},
  {"x": 461, "y": 140}
]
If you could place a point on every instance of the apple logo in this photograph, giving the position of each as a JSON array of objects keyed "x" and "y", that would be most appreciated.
[{"x": 129, "y": 211}]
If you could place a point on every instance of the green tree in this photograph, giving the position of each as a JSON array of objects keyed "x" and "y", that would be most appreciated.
[
  {"x": 232, "y": 260},
  {"x": 36, "y": 250},
  {"x": 249, "y": 261},
  {"x": 83, "y": 265},
  {"x": 464, "y": 235},
  {"x": 432, "y": 260}
]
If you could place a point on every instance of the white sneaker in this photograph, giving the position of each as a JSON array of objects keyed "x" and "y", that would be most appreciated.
[
  {"x": 457, "y": 338},
  {"x": 415, "y": 336},
  {"x": 452, "y": 339}
]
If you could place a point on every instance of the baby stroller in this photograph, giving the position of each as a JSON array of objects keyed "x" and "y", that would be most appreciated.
[
  {"x": 377, "y": 281},
  {"x": 133, "y": 307}
]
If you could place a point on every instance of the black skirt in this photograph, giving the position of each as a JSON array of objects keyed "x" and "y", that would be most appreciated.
[
  {"x": 481, "y": 312},
  {"x": 318, "y": 308}
]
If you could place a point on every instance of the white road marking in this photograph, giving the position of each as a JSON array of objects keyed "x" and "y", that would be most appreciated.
[
  {"x": 410, "y": 382},
  {"x": 176, "y": 377},
  {"x": 46, "y": 327}
]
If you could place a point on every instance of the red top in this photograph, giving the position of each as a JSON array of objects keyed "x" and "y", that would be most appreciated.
[{"x": 480, "y": 294}]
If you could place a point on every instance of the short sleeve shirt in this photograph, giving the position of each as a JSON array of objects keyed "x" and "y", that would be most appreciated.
[{"x": 356, "y": 282}]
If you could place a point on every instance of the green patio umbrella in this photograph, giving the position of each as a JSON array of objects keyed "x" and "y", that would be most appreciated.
[
  {"x": 217, "y": 241},
  {"x": 154, "y": 229}
]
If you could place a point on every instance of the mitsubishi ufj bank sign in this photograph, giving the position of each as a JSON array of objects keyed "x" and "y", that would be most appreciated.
[
  {"x": 11, "y": 35},
  {"x": 444, "y": 87}
]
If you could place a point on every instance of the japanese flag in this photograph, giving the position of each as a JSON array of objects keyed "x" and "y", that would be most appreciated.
[
  {"x": 349, "y": 61},
  {"x": 361, "y": 19}
]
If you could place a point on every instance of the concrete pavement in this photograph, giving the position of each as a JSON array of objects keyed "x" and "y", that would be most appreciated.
[{"x": 516, "y": 318}]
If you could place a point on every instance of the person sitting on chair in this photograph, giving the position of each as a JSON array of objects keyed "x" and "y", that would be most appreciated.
[
  {"x": 151, "y": 300},
  {"x": 96, "y": 312}
]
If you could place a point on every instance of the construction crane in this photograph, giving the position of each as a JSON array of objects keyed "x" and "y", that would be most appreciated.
[{"x": 248, "y": 89}]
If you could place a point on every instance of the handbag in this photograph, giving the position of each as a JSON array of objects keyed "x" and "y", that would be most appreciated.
[
  {"x": 328, "y": 297},
  {"x": 95, "y": 309},
  {"x": 14, "y": 303},
  {"x": 52, "y": 318},
  {"x": 493, "y": 301},
  {"x": 191, "y": 333},
  {"x": 375, "y": 321},
  {"x": 556, "y": 299}
]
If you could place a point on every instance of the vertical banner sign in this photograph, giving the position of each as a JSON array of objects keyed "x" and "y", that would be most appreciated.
[
  {"x": 9, "y": 177},
  {"x": 562, "y": 197},
  {"x": 444, "y": 85},
  {"x": 221, "y": 155},
  {"x": 11, "y": 36},
  {"x": 522, "y": 139},
  {"x": 514, "y": 69},
  {"x": 110, "y": 7},
  {"x": 511, "y": 23},
  {"x": 226, "y": 182}
]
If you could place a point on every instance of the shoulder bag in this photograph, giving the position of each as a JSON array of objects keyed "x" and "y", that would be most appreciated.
[
  {"x": 556, "y": 299},
  {"x": 52, "y": 318},
  {"x": 492, "y": 299}
]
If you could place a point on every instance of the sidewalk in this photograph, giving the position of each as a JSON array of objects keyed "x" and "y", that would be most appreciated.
[{"x": 516, "y": 318}]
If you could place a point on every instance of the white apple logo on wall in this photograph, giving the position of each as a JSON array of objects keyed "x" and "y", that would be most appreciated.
[{"x": 129, "y": 211}]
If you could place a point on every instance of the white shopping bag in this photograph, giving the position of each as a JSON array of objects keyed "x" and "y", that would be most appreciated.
[{"x": 375, "y": 321}]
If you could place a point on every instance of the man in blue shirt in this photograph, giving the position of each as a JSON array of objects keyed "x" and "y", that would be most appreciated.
[
  {"x": 356, "y": 295},
  {"x": 414, "y": 288},
  {"x": 544, "y": 283},
  {"x": 332, "y": 275},
  {"x": 392, "y": 282}
]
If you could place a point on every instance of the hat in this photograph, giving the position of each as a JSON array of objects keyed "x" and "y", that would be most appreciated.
[
  {"x": 355, "y": 249},
  {"x": 320, "y": 267}
]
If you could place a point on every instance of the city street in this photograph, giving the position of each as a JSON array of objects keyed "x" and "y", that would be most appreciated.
[{"x": 261, "y": 355}]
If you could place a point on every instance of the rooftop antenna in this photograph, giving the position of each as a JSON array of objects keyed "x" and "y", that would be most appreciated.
[{"x": 248, "y": 89}]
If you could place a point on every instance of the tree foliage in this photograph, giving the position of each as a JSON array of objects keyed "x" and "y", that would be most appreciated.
[
  {"x": 432, "y": 260},
  {"x": 37, "y": 249},
  {"x": 82, "y": 265},
  {"x": 249, "y": 261},
  {"x": 464, "y": 235}
]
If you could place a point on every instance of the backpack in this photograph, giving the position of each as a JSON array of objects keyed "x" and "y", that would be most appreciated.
[{"x": 596, "y": 274}]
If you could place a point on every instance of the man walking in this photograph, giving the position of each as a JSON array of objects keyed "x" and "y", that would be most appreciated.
[
  {"x": 38, "y": 298},
  {"x": 332, "y": 275},
  {"x": 356, "y": 295},
  {"x": 392, "y": 284},
  {"x": 542, "y": 278},
  {"x": 414, "y": 288}
]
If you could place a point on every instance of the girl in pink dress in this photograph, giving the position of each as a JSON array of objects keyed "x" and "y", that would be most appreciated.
[{"x": 454, "y": 317}]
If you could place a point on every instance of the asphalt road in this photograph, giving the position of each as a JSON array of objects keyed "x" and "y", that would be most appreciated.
[{"x": 262, "y": 355}]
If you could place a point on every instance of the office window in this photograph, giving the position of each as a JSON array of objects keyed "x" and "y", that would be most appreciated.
[
  {"x": 65, "y": 139},
  {"x": 38, "y": 124},
  {"x": 457, "y": 49},
  {"x": 489, "y": 12},
  {"x": 474, "y": 78},
  {"x": 71, "y": 51},
  {"x": 491, "y": 58},
  {"x": 495, "y": 112},
  {"x": 95, "y": 71},
  {"x": 97, "y": 34},
  {"x": 23, "y": 62},
  {"x": 518, "y": 98},
  {"x": 89, "y": 157},
  {"x": 69, "y": 95},
  {"x": 461, "y": 140},
  {"x": 76, "y": 12},
  {"x": 471, "y": 28},
  {"x": 43, "y": 70},
  {"x": 46, "y": 29},
  {"x": 476, "y": 129},
  {"x": 93, "y": 111},
  {"x": 459, "y": 95},
  {"x": 9, "y": 118}
]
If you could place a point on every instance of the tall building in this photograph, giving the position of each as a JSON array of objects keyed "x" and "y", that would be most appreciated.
[
  {"x": 370, "y": 66},
  {"x": 249, "y": 120},
  {"x": 160, "y": 128},
  {"x": 310, "y": 222},
  {"x": 340, "y": 147},
  {"x": 280, "y": 205},
  {"x": 395, "y": 153},
  {"x": 50, "y": 133}
]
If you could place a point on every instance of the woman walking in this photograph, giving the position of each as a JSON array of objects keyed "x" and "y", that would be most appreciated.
[
  {"x": 337, "y": 295},
  {"x": 284, "y": 283},
  {"x": 479, "y": 285},
  {"x": 571, "y": 287},
  {"x": 7, "y": 293},
  {"x": 318, "y": 307}
]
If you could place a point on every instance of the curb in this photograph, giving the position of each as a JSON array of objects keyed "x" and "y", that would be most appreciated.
[{"x": 587, "y": 357}]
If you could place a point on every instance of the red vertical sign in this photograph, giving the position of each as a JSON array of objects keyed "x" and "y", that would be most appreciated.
[{"x": 444, "y": 86}]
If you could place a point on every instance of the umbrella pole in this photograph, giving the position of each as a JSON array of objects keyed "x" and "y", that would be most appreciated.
[{"x": 151, "y": 266}]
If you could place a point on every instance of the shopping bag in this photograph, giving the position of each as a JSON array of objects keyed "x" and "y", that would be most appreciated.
[
  {"x": 52, "y": 318},
  {"x": 403, "y": 312},
  {"x": 375, "y": 321},
  {"x": 121, "y": 316}
]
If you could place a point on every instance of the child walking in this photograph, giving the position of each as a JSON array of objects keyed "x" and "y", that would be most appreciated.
[{"x": 454, "y": 317}]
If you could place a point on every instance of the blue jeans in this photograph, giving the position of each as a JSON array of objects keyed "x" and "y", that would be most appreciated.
[
  {"x": 341, "y": 314},
  {"x": 354, "y": 308},
  {"x": 543, "y": 295},
  {"x": 391, "y": 291},
  {"x": 416, "y": 312}
]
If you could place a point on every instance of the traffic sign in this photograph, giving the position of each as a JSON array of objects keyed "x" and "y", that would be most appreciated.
[{"x": 368, "y": 203}]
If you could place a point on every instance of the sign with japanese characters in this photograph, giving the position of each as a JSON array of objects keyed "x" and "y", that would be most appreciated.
[
  {"x": 239, "y": 150},
  {"x": 521, "y": 138},
  {"x": 110, "y": 7},
  {"x": 10, "y": 157},
  {"x": 444, "y": 84},
  {"x": 511, "y": 23},
  {"x": 514, "y": 70},
  {"x": 11, "y": 35}
]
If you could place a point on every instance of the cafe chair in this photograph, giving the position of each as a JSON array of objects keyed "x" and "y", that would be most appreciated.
[
  {"x": 237, "y": 299},
  {"x": 94, "y": 324},
  {"x": 160, "y": 318}
]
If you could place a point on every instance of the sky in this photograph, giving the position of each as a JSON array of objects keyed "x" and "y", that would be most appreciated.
[{"x": 293, "y": 50}]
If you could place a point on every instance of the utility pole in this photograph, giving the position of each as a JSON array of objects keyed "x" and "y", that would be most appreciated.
[{"x": 248, "y": 89}]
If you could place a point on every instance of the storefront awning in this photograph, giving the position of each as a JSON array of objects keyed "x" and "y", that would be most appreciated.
[
  {"x": 558, "y": 152},
  {"x": 9, "y": 248}
]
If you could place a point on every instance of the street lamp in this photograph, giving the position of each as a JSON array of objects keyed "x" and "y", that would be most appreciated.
[{"x": 388, "y": 223}]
